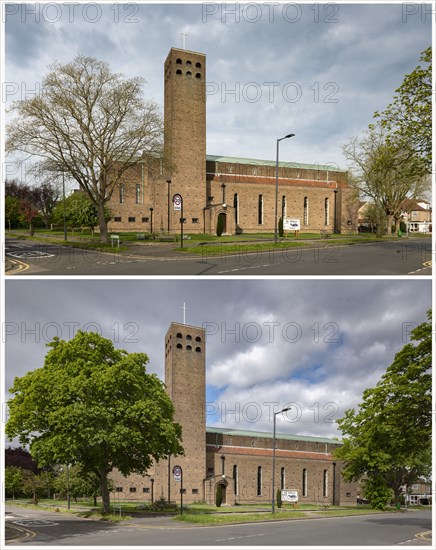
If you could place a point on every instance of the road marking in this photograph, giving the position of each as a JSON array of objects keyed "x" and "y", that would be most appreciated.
[
  {"x": 35, "y": 522},
  {"x": 241, "y": 537},
  {"x": 21, "y": 266}
]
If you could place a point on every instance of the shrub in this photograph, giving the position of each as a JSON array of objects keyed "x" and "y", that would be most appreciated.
[
  {"x": 281, "y": 231},
  {"x": 279, "y": 498}
]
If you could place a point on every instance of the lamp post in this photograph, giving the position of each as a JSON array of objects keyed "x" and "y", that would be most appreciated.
[
  {"x": 277, "y": 183},
  {"x": 334, "y": 483},
  {"x": 274, "y": 458},
  {"x": 64, "y": 207}
]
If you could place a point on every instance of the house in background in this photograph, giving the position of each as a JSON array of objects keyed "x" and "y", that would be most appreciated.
[{"x": 417, "y": 216}]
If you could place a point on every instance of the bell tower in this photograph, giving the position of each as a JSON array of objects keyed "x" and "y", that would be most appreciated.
[
  {"x": 185, "y": 134},
  {"x": 185, "y": 379}
]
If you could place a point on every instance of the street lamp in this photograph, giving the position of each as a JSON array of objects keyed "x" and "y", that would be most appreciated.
[
  {"x": 277, "y": 183},
  {"x": 274, "y": 456}
]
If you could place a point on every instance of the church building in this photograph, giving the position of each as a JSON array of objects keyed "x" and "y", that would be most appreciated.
[
  {"x": 240, "y": 461},
  {"x": 240, "y": 191}
]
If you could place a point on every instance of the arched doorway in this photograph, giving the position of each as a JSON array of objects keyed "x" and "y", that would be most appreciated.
[
  {"x": 221, "y": 227},
  {"x": 223, "y": 484}
]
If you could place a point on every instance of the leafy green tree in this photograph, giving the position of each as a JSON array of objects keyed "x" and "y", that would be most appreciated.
[
  {"x": 220, "y": 225},
  {"x": 78, "y": 483},
  {"x": 281, "y": 231},
  {"x": 388, "y": 440},
  {"x": 79, "y": 212},
  {"x": 94, "y": 406},
  {"x": 90, "y": 124},
  {"x": 12, "y": 211},
  {"x": 33, "y": 485},
  {"x": 13, "y": 481},
  {"x": 408, "y": 117}
]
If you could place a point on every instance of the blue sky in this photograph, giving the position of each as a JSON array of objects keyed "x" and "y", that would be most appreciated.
[
  {"x": 270, "y": 343},
  {"x": 319, "y": 71}
]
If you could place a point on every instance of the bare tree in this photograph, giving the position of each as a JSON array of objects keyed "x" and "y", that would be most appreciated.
[
  {"x": 386, "y": 172},
  {"x": 89, "y": 123}
]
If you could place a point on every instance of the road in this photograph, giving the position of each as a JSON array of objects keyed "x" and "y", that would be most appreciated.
[
  {"x": 401, "y": 257},
  {"x": 369, "y": 530}
]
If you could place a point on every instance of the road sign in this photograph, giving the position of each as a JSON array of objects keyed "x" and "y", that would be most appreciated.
[
  {"x": 177, "y": 472},
  {"x": 177, "y": 202}
]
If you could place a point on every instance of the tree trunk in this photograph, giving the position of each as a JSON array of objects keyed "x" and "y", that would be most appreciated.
[
  {"x": 389, "y": 219},
  {"x": 105, "y": 496},
  {"x": 102, "y": 222},
  {"x": 95, "y": 501}
]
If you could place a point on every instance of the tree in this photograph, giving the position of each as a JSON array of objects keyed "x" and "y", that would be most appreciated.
[
  {"x": 79, "y": 212},
  {"x": 220, "y": 225},
  {"x": 377, "y": 218},
  {"x": 20, "y": 458},
  {"x": 408, "y": 117},
  {"x": 94, "y": 406},
  {"x": 281, "y": 231},
  {"x": 27, "y": 214},
  {"x": 46, "y": 197},
  {"x": 90, "y": 124},
  {"x": 13, "y": 481},
  {"x": 77, "y": 483},
  {"x": 389, "y": 438},
  {"x": 12, "y": 211},
  {"x": 384, "y": 171}
]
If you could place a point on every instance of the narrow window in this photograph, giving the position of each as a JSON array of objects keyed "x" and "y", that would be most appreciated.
[
  {"x": 304, "y": 483},
  {"x": 132, "y": 219},
  {"x": 132, "y": 489},
  {"x": 235, "y": 479},
  {"x": 198, "y": 65},
  {"x": 326, "y": 211},
  {"x": 146, "y": 489},
  {"x": 178, "y": 71},
  {"x": 197, "y": 339},
  {"x": 306, "y": 211},
  {"x": 121, "y": 193},
  {"x": 119, "y": 489},
  {"x": 260, "y": 210},
  {"x": 259, "y": 481},
  {"x": 325, "y": 484},
  {"x": 282, "y": 479},
  {"x": 178, "y": 61},
  {"x": 197, "y": 75},
  {"x": 137, "y": 193},
  {"x": 236, "y": 207},
  {"x": 283, "y": 207}
]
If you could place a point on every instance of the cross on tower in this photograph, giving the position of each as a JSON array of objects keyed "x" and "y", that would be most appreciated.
[
  {"x": 184, "y": 312},
  {"x": 184, "y": 39}
]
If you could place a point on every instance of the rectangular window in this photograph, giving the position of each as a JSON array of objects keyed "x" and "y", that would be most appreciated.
[
  {"x": 137, "y": 193},
  {"x": 146, "y": 489},
  {"x": 195, "y": 491},
  {"x": 306, "y": 211},
  {"x": 132, "y": 489},
  {"x": 117, "y": 218},
  {"x": 118, "y": 489},
  {"x": 132, "y": 219},
  {"x": 121, "y": 193},
  {"x": 326, "y": 212},
  {"x": 144, "y": 220},
  {"x": 194, "y": 220},
  {"x": 183, "y": 491},
  {"x": 325, "y": 484}
]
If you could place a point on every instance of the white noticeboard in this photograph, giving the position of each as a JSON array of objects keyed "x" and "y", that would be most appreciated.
[
  {"x": 289, "y": 496},
  {"x": 291, "y": 225}
]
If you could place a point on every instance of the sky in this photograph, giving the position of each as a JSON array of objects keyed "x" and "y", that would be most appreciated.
[
  {"x": 314, "y": 345},
  {"x": 318, "y": 71}
]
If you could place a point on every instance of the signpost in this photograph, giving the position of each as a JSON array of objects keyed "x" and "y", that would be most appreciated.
[
  {"x": 178, "y": 207},
  {"x": 178, "y": 476}
]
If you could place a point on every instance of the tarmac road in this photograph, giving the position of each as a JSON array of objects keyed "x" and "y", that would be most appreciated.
[
  {"x": 51, "y": 529},
  {"x": 388, "y": 258}
]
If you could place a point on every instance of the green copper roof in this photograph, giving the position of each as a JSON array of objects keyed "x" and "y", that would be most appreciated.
[
  {"x": 267, "y": 435},
  {"x": 237, "y": 160}
]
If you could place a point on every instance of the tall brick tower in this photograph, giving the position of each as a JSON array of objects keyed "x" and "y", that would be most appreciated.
[
  {"x": 185, "y": 135},
  {"x": 185, "y": 378}
]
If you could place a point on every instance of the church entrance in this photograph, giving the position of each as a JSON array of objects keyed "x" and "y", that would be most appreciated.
[
  {"x": 221, "y": 227},
  {"x": 223, "y": 489}
]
